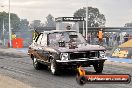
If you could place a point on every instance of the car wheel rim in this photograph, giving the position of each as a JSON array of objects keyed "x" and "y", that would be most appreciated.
[
  {"x": 35, "y": 61},
  {"x": 52, "y": 68}
]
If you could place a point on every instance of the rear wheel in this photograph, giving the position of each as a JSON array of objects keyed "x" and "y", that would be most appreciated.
[{"x": 98, "y": 67}]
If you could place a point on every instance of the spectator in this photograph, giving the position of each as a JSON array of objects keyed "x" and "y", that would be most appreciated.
[
  {"x": 100, "y": 36},
  {"x": 126, "y": 37},
  {"x": 89, "y": 37},
  {"x": 107, "y": 39},
  {"x": 111, "y": 40},
  {"x": 13, "y": 36},
  {"x": 118, "y": 39}
]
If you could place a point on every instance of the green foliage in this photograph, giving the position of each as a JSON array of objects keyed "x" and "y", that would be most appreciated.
[
  {"x": 24, "y": 24},
  {"x": 128, "y": 25},
  {"x": 3, "y": 16},
  {"x": 50, "y": 21},
  {"x": 35, "y": 24},
  {"x": 15, "y": 20},
  {"x": 95, "y": 18}
]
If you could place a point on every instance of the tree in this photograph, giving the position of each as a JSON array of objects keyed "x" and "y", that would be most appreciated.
[
  {"x": 35, "y": 24},
  {"x": 95, "y": 18},
  {"x": 50, "y": 21},
  {"x": 128, "y": 25},
  {"x": 15, "y": 20},
  {"x": 24, "y": 24}
]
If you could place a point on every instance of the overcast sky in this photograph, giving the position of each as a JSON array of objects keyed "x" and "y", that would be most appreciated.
[{"x": 117, "y": 12}]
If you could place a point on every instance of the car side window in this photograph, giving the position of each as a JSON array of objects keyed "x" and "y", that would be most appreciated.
[
  {"x": 44, "y": 40},
  {"x": 39, "y": 39},
  {"x": 53, "y": 39}
]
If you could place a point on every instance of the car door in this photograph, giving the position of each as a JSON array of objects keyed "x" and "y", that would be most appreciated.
[
  {"x": 44, "y": 53},
  {"x": 38, "y": 49}
]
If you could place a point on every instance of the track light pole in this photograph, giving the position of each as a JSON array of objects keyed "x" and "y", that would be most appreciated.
[{"x": 10, "y": 32}]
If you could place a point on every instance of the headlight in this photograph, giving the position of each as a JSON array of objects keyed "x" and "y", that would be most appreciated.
[
  {"x": 64, "y": 56},
  {"x": 102, "y": 54}
]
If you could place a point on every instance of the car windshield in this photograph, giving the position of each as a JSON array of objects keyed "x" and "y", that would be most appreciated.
[{"x": 66, "y": 37}]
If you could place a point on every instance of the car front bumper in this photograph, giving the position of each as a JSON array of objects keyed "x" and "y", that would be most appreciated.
[{"x": 78, "y": 62}]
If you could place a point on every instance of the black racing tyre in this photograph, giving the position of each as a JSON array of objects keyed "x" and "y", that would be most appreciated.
[
  {"x": 81, "y": 80},
  {"x": 37, "y": 65},
  {"x": 53, "y": 67},
  {"x": 98, "y": 67}
]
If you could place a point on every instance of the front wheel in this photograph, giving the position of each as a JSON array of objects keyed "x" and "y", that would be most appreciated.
[
  {"x": 36, "y": 64},
  {"x": 53, "y": 67},
  {"x": 98, "y": 67}
]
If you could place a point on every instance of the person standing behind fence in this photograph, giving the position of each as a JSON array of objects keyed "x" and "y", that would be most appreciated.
[
  {"x": 126, "y": 37},
  {"x": 107, "y": 39},
  {"x": 118, "y": 39},
  {"x": 100, "y": 36},
  {"x": 13, "y": 36},
  {"x": 111, "y": 40}
]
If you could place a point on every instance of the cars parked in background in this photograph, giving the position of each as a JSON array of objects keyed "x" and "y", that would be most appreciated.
[{"x": 65, "y": 49}]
